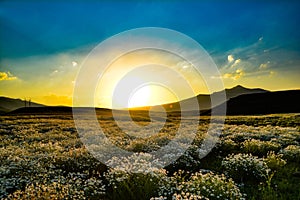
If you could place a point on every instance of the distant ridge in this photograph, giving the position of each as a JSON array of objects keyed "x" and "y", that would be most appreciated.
[
  {"x": 9, "y": 104},
  {"x": 204, "y": 100},
  {"x": 240, "y": 90},
  {"x": 53, "y": 110},
  {"x": 43, "y": 110},
  {"x": 263, "y": 103}
]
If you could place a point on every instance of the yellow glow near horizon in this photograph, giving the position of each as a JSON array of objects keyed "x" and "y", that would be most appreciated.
[
  {"x": 152, "y": 94},
  {"x": 140, "y": 97}
]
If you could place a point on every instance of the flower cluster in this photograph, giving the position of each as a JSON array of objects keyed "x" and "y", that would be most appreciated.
[
  {"x": 134, "y": 177},
  {"x": 202, "y": 186},
  {"x": 292, "y": 152},
  {"x": 274, "y": 161},
  {"x": 54, "y": 185},
  {"x": 258, "y": 147},
  {"x": 245, "y": 167},
  {"x": 188, "y": 196}
]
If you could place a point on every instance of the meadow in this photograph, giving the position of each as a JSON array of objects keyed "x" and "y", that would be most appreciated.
[{"x": 255, "y": 157}]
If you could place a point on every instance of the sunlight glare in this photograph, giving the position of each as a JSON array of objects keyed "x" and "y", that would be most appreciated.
[{"x": 140, "y": 97}]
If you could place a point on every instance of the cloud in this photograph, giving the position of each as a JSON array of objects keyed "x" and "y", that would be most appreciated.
[
  {"x": 235, "y": 64},
  {"x": 54, "y": 72},
  {"x": 246, "y": 61},
  {"x": 264, "y": 65},
  {"x": 272, "y": 73},
  {"x": 230, "y": 58},
  {"x": 234, "y": 75},
  {"x": 237, "y": 61},
  {"x": 7, "y": 76},
  {"x": 74, "y": 64},
  {"x": 259, "y": 55}
]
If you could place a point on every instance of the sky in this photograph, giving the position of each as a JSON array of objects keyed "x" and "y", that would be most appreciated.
[{"x": 44, "y": 43}]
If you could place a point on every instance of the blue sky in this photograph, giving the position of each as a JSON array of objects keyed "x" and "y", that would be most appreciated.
[
  {"x": 260, "y": 38},
  {"x": 33, "y": 27}
]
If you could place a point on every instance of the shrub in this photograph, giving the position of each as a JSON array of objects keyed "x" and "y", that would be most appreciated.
[
  {"x": 187, "y": 196},
  {"x": 206, "y": 186},
  {"x": 274, "y": 161},
  {"x": 47, "y": 191},
  {"x": 134, "y": 178},
  {"x": 292, "y": 153},
  {"x": 74, "y": 186},
  {"x": 190, "y": 160},
  {"x": 258, "y": 147},
  {"x": 127, "y": 185},
  {"x": 245, "y": 167},
  {"x": 227, "y": 146}
]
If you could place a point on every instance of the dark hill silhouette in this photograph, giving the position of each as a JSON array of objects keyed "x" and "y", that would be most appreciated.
[
  {"x": 43, "y": 110},
  {"x": 10, "y": 104},
  {"x": 240, "y": 90},
  {"x": 205, "y": 100},
  {"x": 263, "y": 103},
  {"x": 53, "y": 110}
]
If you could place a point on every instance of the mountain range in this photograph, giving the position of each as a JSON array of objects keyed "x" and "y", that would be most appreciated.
[{"x": 239, "y": 101}]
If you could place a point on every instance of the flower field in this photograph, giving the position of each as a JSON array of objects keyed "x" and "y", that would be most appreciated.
[{"x": 255, "y": 157}]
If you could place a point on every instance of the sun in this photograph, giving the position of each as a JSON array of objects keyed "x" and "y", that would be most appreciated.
[
  {"x": 151, "y": 95},
  {"x": 140, "y": 97}
]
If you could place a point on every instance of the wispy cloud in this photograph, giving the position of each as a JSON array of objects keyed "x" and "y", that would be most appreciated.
[
  {"x": 7, "y": 76},
  {"x": 230, "y": 58},
  {"x": 256, "y": 60},
  {"x": 74, "y": 64},
  {"x": 237, "y": 74},
  {"x": 264, "y": 65},
  {"x": 54, "y": 72}
]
